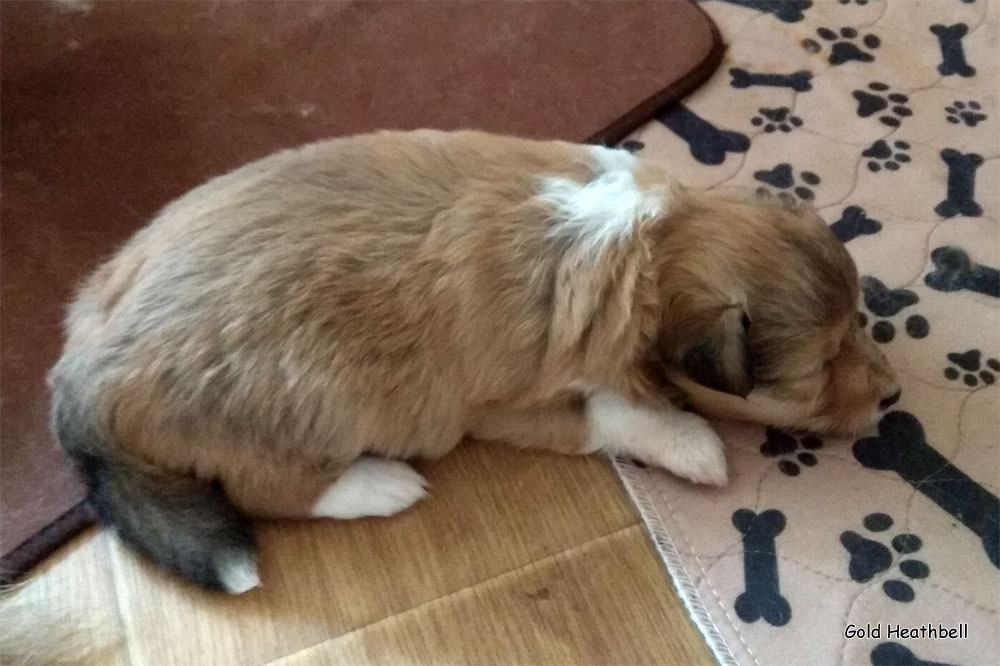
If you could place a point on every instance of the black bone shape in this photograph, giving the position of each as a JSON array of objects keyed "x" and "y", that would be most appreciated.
[
  {"x": 854, "y": 222},
  {"x": 955, "y": 271},
  {"x": 961, "y": 184},
  {"x": 800, "y": 81},
  {"x": 901, "y": 447},
  {"x": 894, "y": 654},
  {"x": 952, "y": 52},
  {"x": 761, "y": 598},
  {"x": 708, "y": 144},
  {"x": 789, "y": 11}
]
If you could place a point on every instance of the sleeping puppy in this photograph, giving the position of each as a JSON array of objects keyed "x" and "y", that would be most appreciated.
[{"x": 278, "y": 338}]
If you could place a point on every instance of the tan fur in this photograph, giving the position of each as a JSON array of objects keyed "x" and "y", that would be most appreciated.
[
  {"x": 393, "y": 293},
  {"x": 815, "y": 368},
  {"x": 558, "y": 425}
]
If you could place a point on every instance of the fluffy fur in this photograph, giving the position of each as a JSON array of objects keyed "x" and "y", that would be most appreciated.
[{"x": 387, "y": 295}]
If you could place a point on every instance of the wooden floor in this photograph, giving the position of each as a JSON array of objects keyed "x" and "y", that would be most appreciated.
[{"x": 517, "y": 557}]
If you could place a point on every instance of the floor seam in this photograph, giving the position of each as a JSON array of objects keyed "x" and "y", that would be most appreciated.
[
  {"x": 104, "y": 546},
  {"x": 454, "y": 593}
]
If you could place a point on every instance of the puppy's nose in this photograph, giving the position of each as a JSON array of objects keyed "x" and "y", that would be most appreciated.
[{"x": 891, "y": 400}]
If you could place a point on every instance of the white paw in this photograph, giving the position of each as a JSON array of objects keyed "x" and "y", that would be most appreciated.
[
  {"x": 371, "y": 487},
  {"x": 692, "y": 450},
  {"x": 680, "y": 442}
]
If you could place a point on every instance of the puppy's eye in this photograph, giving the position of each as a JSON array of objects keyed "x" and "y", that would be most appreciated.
[{"x": 746, "y": 322}]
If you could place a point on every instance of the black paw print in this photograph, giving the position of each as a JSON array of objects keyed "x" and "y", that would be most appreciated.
[
  {"x": 964, "y": 112},
  {"x": 880, "y": 99},
  {"x": 854, "y": 222},
  {"x": 632, "y": 145},
  {"x": 971, "y": 363},
  {"x": 780, "y": 443},
  {"x": 779, "y": 118},
  {"x": 783, "y": 178},
  {"x": 881, "y": 154},
  {"x": 870, "y": 558},
  {"x": 843, "y": 48},
  {"x": 884, "y": 302},
  {"x": 860, "y": 3}
]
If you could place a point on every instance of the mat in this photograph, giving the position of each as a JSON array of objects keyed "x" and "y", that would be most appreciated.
[
  {"x": 110, "y": 110},
  {"x": 885, "y": 549}
]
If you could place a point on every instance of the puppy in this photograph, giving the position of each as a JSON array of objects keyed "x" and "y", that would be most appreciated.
[{"x": 278, "y": 338}]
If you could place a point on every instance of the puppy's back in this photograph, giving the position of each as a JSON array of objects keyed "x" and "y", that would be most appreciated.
[{"x": 249, "y": 298}]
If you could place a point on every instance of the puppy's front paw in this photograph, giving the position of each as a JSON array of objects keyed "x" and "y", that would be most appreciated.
[
  {"x": 680, "y": 442},
  {"x": 692, "y": 450}
]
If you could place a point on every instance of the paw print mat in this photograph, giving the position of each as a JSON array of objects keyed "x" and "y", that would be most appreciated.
[{"x": 883, "y": 114}]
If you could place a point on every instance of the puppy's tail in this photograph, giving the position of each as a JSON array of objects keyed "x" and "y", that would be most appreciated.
[{"x": 185, "y": 526}]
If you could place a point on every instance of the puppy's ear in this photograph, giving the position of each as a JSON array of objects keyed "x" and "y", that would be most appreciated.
[{"x": 718, "y": 356}]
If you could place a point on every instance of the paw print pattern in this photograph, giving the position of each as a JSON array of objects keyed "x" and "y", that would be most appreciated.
[
  {"x": 860, "y": 3},
  {"x": 779, "y": 118},
  {"x": 893, "y": 106},
  {"x": 781, "y": 444},
  {"x": 783, "y": 179},
  {"x": 968, "y": 365},
  {"x": 869, "y": 558},
  {"x": 632, "y": 145},
  {"x": 884, "y": 302},
  {"x": 964, "y": 112},
  {"x": 880, "y": 154},
  {"x": 843, "y": 45},
  {"x": 883, "y": 331},
  {"x": 854, "y": 222}
]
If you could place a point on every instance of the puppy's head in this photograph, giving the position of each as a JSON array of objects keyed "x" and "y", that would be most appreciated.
[{"x": 760, "y": 318}]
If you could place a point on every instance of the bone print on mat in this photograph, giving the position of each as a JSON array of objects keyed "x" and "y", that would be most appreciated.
[
  {"x": 708, "y": 143},
  {"x": 952, "y": 51},
  {"x": 895, "y": 654},
  {"x": 954, "y": 271},
  {"x": 961, "y": 184},
  {"x": 761, "y": 597},
  {"x": 901, "y": 447},
  {"x": 788, "y": 11},
  {"x": 800, "y": 81}
]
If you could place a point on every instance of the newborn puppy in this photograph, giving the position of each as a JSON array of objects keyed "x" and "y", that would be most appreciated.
[{"x": 276, "y": 339}]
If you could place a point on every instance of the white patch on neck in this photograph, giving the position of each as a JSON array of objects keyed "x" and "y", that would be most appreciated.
[{"x": 609, "y": 207}]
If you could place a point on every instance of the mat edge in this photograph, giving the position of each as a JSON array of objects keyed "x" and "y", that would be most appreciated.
[
  {"x": 645, "y": 111},
  {"x": 24, "y": 557},
  {"x": 677, "y": 572}
]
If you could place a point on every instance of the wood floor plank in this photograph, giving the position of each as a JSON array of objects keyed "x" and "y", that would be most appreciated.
[
  {"x": 606, "y": 602},
  {"x": 70, "y": 605},
  {"x": 492, "y": 510}
]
